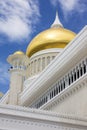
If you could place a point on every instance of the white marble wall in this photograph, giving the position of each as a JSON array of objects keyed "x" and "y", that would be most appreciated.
[
  {"x": 75, "y": 102},
  {"x": 19, "y": 118}
]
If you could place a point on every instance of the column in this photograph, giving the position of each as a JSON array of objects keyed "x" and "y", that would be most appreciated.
[
  {"x": 86, "y": 64},
  {"x": 39, "y": 64},
  {"x": 48, "y": 60},
  {"x": 76, "y": 73},
  {"x": 34, "y": 66},
  {"x": 66, "y": 81},
  {"x": 73, "y": 73},
  {"x": 43, "y": 63},
  {"x": 31, "y": 68}
]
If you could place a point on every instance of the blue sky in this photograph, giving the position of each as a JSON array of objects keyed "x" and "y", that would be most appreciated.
[{"x": 21, "y": 20}]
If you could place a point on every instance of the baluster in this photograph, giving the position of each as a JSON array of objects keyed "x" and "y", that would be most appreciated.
[
  {"x": 81, "y": 69},
  {"x": 61, "y": 85},
  {"x": 66, "y": 81},
  {"x": 77, "y": 73},
  {"x": 59, "y": 88},
  {"x": 86, "y": 64},
  {"x": 73, "y": 72}
]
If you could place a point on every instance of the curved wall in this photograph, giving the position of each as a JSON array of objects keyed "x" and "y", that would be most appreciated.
[{"x": 40, "y": 60}]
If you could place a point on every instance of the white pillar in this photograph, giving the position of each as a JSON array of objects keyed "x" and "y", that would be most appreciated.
[{"x": 16, "y": 86}]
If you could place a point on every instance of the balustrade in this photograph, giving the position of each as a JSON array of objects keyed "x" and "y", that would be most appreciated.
[{"x": 78, "y": 71}]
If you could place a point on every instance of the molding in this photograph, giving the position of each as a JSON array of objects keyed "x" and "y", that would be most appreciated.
[
  {"x": 46, "y": 51},
  {"x": 18, "y": 115},
  {"x": 72, "y": 89},
  {"x": 4, "y": 99}
]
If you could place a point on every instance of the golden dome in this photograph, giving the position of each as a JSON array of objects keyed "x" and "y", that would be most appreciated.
[
  {"x": 55, "y": 37},
  {"x": 51, "y": 38},
  {"x": 19, "y": 53}
]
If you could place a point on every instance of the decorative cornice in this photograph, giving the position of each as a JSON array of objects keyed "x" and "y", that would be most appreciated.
[
  {"x": 72, "y": 89},
  {"x": 45, "y": 116},
  {"x": 46, "y": 51}
]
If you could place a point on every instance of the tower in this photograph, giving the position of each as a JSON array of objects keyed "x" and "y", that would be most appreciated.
[{"x": 18, "y": 62}]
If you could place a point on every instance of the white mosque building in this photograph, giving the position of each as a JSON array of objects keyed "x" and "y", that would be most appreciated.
[{"x": 48, "y": 84}]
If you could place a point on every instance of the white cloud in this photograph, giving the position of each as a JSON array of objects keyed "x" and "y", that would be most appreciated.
[
  {"x": 70, "y": 6},
  {"x": 4, "y": 75},
  {"x": 18, "y": 17},
  {"x": 54, "y": 2}
]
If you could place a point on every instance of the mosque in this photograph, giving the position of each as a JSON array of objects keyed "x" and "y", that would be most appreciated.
[{"x": 48, "y": 84}]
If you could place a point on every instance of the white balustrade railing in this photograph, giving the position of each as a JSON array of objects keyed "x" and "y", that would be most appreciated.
[{"x": 71, "y": 77}]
